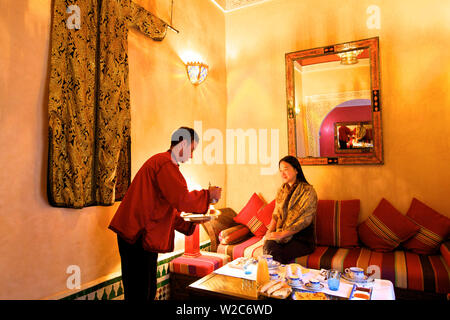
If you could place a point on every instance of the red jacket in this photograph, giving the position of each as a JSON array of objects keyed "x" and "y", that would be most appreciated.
[
  {"x": 344, "y": 133},
  {"x": 152, "y": 205}
]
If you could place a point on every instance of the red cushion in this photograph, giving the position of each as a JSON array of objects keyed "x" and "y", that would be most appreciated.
[
  {"x": 265, "y": 213},
  {"x": 445, "y": 251},
  {"x": 434, "y": 228},
  {"x": 247, "y": 216},
  {"x": 336, "y": 223},
  {"x": 386, "y": 228},
  {"x": 200, "y": 266}
]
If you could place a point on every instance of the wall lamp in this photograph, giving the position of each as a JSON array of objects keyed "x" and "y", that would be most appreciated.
[{"x": 197, "y": 72}]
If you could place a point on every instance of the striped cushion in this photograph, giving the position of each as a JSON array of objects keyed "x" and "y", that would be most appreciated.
[
  {"x": 252, "y": 247},
  {"x": 445, "y": 251},
  {"x": 265, "y": 215},
  {"x": 248, "y": 216},
  {"x": 234, "y": 234},
  {"x": 336, "y": 223},
  {"x": 215, "y": 226},
  {"x": 405, "y": 269},
  {"x": 386, "y": 228},
  {"x": 199, "y": 266},
  {"x": 434, "y": 229}
]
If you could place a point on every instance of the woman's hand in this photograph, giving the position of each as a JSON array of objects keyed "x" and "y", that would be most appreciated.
[
  {"x": 275, "y": 235},
  {"x": 278, "y": 235}
]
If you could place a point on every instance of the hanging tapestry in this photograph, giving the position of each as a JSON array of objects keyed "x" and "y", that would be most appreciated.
[{"x": 89, "y": 99}]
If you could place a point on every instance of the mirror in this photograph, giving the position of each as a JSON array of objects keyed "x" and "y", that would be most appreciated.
[{"x": 333, "y": 104}]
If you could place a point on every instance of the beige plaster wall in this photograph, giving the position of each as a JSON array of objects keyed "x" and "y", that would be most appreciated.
[
  {"x": 38, "y": 242},
  {"x": 414, "y": 42}
]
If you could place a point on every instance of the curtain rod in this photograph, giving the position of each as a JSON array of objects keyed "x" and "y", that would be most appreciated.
[
  {"x": 170, "y": 25},
  {"x": 172, "y": 28}
]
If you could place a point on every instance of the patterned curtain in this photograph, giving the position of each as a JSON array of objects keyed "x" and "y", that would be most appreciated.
[{"x": 89, "y": 99}]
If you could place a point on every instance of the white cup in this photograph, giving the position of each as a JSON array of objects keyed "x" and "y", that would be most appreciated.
[
  {"x": 268, "y": 258},
  {"x": 314, "y": 283},
  {"x": 274, "y": 275},
  {"x": 355, "y": 273},
  {"x": 294, "y": 280}
]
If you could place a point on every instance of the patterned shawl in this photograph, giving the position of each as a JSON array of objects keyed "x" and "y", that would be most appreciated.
[{"x": 295, "y": 208}]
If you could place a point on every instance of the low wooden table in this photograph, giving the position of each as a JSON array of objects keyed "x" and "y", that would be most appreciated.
[
  {"x": 223, "y": 286},
  {"x": 219, "y": 286}
]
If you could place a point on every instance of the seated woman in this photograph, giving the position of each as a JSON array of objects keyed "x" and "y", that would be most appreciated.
[{"x": 291, "y": 232}]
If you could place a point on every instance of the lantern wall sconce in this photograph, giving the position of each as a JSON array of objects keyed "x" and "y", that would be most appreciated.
[
  {"x": 349, "y": 57},
  {"x": 196, "y": 72}
]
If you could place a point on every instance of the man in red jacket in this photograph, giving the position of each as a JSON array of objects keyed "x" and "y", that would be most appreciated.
[{"x": 149, "y": 214}]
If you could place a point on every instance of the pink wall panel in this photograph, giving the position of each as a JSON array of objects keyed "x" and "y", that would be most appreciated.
[{"x": 340, "y": 114}]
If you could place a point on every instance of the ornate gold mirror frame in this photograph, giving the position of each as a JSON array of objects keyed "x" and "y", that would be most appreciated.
[{"x": 342, "y": 56}]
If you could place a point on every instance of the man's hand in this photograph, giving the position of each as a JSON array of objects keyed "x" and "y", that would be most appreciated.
[{"x": 215, "y": 194}]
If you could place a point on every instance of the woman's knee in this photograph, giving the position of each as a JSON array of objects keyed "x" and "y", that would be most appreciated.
[{"x": 269, "y": 246}]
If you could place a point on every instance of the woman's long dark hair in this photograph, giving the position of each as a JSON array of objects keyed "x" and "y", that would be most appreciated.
[{"x": 293, "y": 161}]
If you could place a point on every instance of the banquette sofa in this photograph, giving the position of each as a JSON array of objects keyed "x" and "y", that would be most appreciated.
[{"x": 410, "y": 250}]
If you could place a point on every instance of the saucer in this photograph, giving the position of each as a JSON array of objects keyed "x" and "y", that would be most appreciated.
[
  {"x": 273, "y": 265},
  {"x": 198, "y": 217},
  {"x": 308, "y": 286},
  {"x": 297, "y": 286},
  {"x": 366, "y": 279}
]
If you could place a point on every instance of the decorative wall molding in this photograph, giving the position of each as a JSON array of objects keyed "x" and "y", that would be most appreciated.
[
  {"x": 111, "y": 288},
  {"x": 230, "y": 5}
]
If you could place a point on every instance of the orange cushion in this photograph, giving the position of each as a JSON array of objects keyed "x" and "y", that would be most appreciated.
[{"x": 234, "y": 234}]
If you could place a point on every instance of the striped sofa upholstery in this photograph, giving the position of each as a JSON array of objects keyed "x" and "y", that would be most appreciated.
[
  {"x": 199, "y": 266},
  {"x": 405, "y": 269},
  {"x": 251, "y": 247}
]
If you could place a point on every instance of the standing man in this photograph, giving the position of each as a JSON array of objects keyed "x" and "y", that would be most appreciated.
[
  {"x": 344, "y": 136},
  {"x": 149, "y": 214}
]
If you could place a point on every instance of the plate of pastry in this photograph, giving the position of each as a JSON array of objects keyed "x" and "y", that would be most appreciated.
[
  {"x": 277, "y": 289},
  {"x": 309, "y": 296}
]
